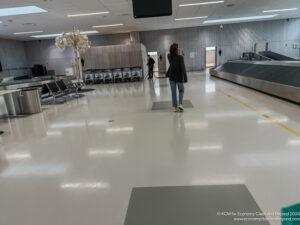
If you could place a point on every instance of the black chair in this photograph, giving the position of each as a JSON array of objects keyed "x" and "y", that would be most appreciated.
[
  {"x": 54, "y": 90},
  {"x": 45, "y": 90},
  {"x": 72, "y": 87},
  {"x": 118, "y": 76},
  {"x": 62, "y": 86},
  {"x": 108, "y": 77},
  {"x": 127, "y": 75},
  {"x": 53, "y": 87}
]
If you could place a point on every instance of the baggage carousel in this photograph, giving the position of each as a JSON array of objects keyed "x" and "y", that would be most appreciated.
[{"x": 281, "y": 79}]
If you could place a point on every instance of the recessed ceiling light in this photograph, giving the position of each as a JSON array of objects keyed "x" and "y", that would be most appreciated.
[
  {"x": 239, "y": 19},
  {"x": 29, "y": 32},
  {"x": 280, "y": 10},
  {"x": 111, "y": 25},
  {"x": 21, "y": 11},
  {"x": 1, "y": 22},
  {"x": 88, "y": 14},
  {"x": 202, "y": 3},
  {"x": 46, "y": 35},
  {"x": 56, "y": 35},
  {"x": 192, "y": 18},
  {"x": 89, "y": 32}
]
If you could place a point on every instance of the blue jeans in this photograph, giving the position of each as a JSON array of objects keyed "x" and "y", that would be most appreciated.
[{"x": 174, "y": 86}]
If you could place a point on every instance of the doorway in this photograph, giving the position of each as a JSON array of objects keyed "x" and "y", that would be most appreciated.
[
  {"x": 154, "y": 55},
  {"x": 210, "y": 57}
]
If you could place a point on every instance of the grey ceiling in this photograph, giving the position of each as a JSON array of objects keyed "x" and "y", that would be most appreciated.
[{"x": 56, "y": 20}]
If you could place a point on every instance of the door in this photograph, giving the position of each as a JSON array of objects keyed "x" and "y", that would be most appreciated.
[{"x": 210, "y": 57}]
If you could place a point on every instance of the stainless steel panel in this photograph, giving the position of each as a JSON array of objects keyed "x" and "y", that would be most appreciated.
[
  {"x": 283, "y": 91},
  {"x": 30, "y": 102},
  {"x": 12, "y": 103},
  {"x": 112, "y": 57},
  {"x": 273, "y": 63}
]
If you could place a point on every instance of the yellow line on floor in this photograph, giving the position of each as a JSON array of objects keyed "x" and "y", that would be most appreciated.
[{"x": 260, "y": 113}]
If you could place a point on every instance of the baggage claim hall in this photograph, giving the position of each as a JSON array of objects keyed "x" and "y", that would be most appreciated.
[{"x": 149, "y": 112}]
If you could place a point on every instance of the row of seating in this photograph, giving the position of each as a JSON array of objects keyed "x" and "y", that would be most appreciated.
[
  {"x": 60, "y": 89},
  {"x": 113, "y": 76}
]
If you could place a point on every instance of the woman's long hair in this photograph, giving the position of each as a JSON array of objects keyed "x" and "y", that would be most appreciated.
[{"x": 174, "y": 49}]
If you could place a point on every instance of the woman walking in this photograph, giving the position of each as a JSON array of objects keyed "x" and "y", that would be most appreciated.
[{"x": 177, "y": 75}]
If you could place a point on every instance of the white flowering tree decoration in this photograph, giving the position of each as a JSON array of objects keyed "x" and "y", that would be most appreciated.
[{"x": 79, "y": 42}]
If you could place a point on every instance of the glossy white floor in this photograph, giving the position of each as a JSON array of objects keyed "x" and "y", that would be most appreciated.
[{"x": 71, "y": 165}]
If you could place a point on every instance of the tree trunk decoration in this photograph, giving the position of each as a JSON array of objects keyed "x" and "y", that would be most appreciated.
[{"x": 79, "y": 42}]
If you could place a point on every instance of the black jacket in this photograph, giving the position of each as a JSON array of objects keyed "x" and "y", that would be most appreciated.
[
  {"x": 151, "y": 62},
  {"x": 177, "y": 71}
]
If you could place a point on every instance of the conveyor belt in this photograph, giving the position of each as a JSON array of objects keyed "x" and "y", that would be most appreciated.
[
  {"x": 282, "y": 80},
  {"x": 276, "y": 56}
]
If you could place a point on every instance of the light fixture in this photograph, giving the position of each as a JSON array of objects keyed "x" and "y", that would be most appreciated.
[
  {"x": 1, "y": 22},
  {"x": 279, "y": 10},
  {"x": 29, "y": 32},
  {"x": 21, "y": 11},
  {"x": 192, "y": 18},
  {"x": 202, "y": 3},
  {"x": 56, "y": 35},
  {"x": 210, "y": 48},
  {"x": 88, "y": 14},
  {"x": 89, "y": 32},
  {"x": 239, "y": 19},
  {"x": 152, "y": 53},
  {"x": 110, "y": 25},
  {"x": 46, "y": 35}
]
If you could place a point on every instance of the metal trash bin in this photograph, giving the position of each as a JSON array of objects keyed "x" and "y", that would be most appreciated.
[
  {"x": 30, "y": 101},
  {"x": 12, "y": 102}
]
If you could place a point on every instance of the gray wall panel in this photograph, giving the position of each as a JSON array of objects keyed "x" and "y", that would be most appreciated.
[
  {"x": 45, "y": 52},
  {"x": 13, "y": 58},
  {"x": 233, "y": 39}
]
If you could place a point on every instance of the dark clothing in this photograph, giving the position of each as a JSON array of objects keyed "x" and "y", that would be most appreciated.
[
  {"x": 150, "y": 72},
  {"x": 151, "y": 62},
  {"x": 150, "y": 65},
  {"x": 177, "y": 71}
]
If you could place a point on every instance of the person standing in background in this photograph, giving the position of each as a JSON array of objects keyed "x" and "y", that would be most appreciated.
[
  {"x": 150, "y": 65},
  {"x": 177, "y": 75}
]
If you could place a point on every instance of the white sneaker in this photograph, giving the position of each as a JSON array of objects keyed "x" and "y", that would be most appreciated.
[
  {"x": 180, "y": 107},
  {"x": 176, "y": 110}
]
